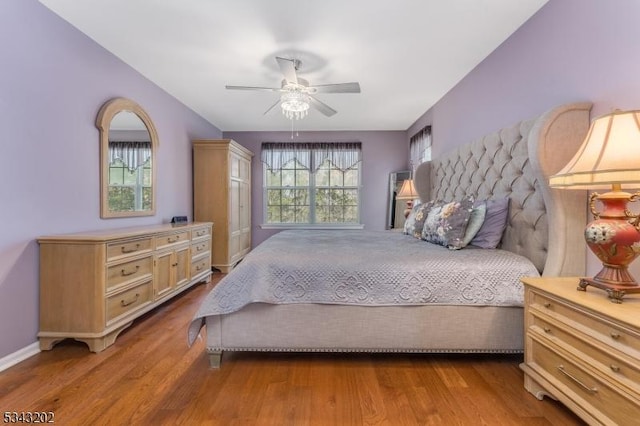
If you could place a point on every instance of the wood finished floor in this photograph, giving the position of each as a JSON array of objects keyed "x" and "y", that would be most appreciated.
[{"x": 151, "y": 377}]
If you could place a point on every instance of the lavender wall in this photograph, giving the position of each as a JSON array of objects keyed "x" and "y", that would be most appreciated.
[
  {"x": 382, "y": 153},
  {"x": 53, "y": 81},
  {"x": 571, "y": 50}
]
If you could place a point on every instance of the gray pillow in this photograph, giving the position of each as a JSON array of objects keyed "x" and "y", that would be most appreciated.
[
  {"x": 415, "y": 222},
  {"x": 446, "y": 223},
  {"x": 421, "y": 215},
  {"x": 495, "y": 222},
  {"x": 410, "y": 221}
]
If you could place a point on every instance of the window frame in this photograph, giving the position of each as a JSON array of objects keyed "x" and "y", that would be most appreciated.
[
  {"x": 138, "y": 187},
  {"x": 312, "y": 187}
]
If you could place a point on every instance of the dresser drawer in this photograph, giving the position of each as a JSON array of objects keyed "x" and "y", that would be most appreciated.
[
  {"x": 171, "y": 239},
  {"x": 200, "y": 266},
  {"x": 202, "y": 232},
  {"x": 199, "y": 248},
  {"x": 129, "y": 300},
  {"x": 123, "y": 273},
  {"x": 599, "y": 327},
  {"x": 620, "y": 368},
  {"x": 119, "y": 249},
  {"x": 587, "y": 390}
]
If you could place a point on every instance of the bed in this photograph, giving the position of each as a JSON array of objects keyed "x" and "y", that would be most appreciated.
[{"x": 383, "y": 291}]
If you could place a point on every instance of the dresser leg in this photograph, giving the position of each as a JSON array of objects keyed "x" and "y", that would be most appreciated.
[
  {"x": 535, "y": 389},
  {"x": 47, "y": 343}
]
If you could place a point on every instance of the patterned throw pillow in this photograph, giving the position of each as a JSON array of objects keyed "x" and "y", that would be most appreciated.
[
  {"x": 415, "y": 221},
  {"x": 421, "y": 216},
  {"x": 446, "y": 223},
  {"x": 409, "y": 223}
]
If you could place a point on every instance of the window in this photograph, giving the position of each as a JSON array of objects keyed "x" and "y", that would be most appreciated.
[
  {"x": 312, "y": 183},
  {"x": 129, "y": 176},
  {"x": 420, "y": 147}
]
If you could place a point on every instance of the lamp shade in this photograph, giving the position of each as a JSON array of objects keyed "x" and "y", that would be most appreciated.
[
  {"x": 610, "y": 154},
  {"x": 407, "y": 191}
]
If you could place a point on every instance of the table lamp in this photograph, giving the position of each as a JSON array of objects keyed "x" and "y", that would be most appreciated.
[
  {"x": 408, "y": 193},
  {"x": 609, "y": 159}
]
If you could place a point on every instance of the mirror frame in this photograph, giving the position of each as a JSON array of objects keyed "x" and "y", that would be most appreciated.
[{"x": 103, "y": 121}]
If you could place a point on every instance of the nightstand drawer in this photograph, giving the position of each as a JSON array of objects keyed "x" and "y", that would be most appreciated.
[
  {"x": 604, "y": 330},
  {"x": 593, "y": 392},
  {"x": 123, "y": 273},
  {"x": 618, "y": 367},
  {"x": 129, "y": 300}
]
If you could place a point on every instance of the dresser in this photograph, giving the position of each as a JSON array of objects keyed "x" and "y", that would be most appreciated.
[
  {"x": 222, "y": 195},
  {"x": 94, "y": 284},
  {"x": 583, "y": 350}
]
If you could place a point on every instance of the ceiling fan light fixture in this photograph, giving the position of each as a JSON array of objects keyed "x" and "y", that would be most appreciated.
[{"x": 294, "y": 104}]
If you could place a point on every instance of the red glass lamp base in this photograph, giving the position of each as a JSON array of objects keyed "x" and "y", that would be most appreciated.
[{"x": 615, "y": 239}]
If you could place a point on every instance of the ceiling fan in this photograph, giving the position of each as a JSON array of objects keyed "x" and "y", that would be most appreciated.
[{"x": 296, "y": 93}]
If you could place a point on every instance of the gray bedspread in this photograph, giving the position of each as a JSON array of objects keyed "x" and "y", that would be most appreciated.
[{"x": 379, "y": 268}]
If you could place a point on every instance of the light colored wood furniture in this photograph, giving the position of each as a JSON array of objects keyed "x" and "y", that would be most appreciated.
[
  {"x": 583, "y": 350},
  {"x": 94, "y": 284},
  {"x": 222, "y": 195}
]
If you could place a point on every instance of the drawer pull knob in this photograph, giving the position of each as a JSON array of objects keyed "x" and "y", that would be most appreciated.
[
  {"x": 546, "y": 329},
  {"x": 125, "y": 250},
  {"x": 575, "y": 379},
  {"x": 199, "y": 248},
  {"x": 198, "y": 267},
  {"x": 173, "y": 240},
  {"x": 614, "y": 368},
  {"x": 201, "y": 233},
  {"x": 127, "y": 273},
  {"x": 174, "y": 264},
  {"x": 614, "y": 335},
  {"x": 547, "y": 305},
  {"x": 130, "y": 302}
]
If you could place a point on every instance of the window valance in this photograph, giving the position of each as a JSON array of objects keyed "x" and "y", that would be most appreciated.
[
  {"x": 343, "y": 155},
  {"x": 132, "y": 154}
]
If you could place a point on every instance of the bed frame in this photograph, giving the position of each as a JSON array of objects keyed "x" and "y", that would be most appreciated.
[{"x": 544, "y": 225}]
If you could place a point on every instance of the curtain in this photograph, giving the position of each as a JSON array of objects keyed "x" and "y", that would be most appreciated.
[
  {"x": 420, "y": 147},
  {"x": 132, "y": 154},
  {"x": 343, "y": 155}
]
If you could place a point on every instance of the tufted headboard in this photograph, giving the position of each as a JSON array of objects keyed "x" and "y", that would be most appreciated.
[{"x": 545, "y": 225}]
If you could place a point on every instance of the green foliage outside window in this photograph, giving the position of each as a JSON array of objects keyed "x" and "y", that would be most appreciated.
[
  {"x": 297, "y": 196},
  {"x": 129, "y": 190}
]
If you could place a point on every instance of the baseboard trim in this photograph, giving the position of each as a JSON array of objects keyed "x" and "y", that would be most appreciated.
[{"x": 19, "y": 356}]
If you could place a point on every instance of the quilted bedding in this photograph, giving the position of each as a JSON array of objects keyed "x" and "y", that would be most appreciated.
[{"x": 374, "y": 268}]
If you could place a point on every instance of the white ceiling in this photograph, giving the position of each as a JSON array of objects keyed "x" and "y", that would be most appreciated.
[{"x": 406, "y": 54}]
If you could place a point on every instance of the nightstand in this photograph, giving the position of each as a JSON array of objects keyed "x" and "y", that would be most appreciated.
[{"x": 583, "y": 350}]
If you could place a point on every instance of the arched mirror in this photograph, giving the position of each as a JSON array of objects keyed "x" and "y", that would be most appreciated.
[{"x": 128, "y": 145}]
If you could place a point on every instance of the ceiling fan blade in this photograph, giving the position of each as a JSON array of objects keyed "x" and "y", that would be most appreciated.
[
  {"x": 288, "y": 68},
  {"x": 271, "y": 107},
  {"x": 268, "y": 89},
  {"x": 336, "y": 88},
  {"x": 322, "y": 107}
]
